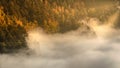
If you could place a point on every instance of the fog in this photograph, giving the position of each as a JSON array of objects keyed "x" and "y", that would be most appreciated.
[{"x": 69, "y": 50}]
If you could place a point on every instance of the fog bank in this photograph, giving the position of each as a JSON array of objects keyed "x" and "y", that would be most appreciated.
[{"x": 68, "y": 50}]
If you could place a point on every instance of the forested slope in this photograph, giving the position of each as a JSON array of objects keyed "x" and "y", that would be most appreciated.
[{"x": 53, "y": 16}]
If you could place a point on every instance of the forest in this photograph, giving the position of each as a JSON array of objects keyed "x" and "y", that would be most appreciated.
[{"x": 17, "y": 17}]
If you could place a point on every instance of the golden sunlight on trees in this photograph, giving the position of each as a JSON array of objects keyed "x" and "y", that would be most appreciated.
[
  {"x": 11, "y": 33},
  {"x": 30, "y": 25},
  {"x": 53, "y": 16},
  {"x": 50, "y": 26}
]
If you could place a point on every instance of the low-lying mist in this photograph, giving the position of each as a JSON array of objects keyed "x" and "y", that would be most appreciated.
[{"x": 68, "y": 50}]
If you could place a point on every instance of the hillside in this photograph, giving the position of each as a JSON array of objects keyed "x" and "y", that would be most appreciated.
[{"x": 53, "y": 16}]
